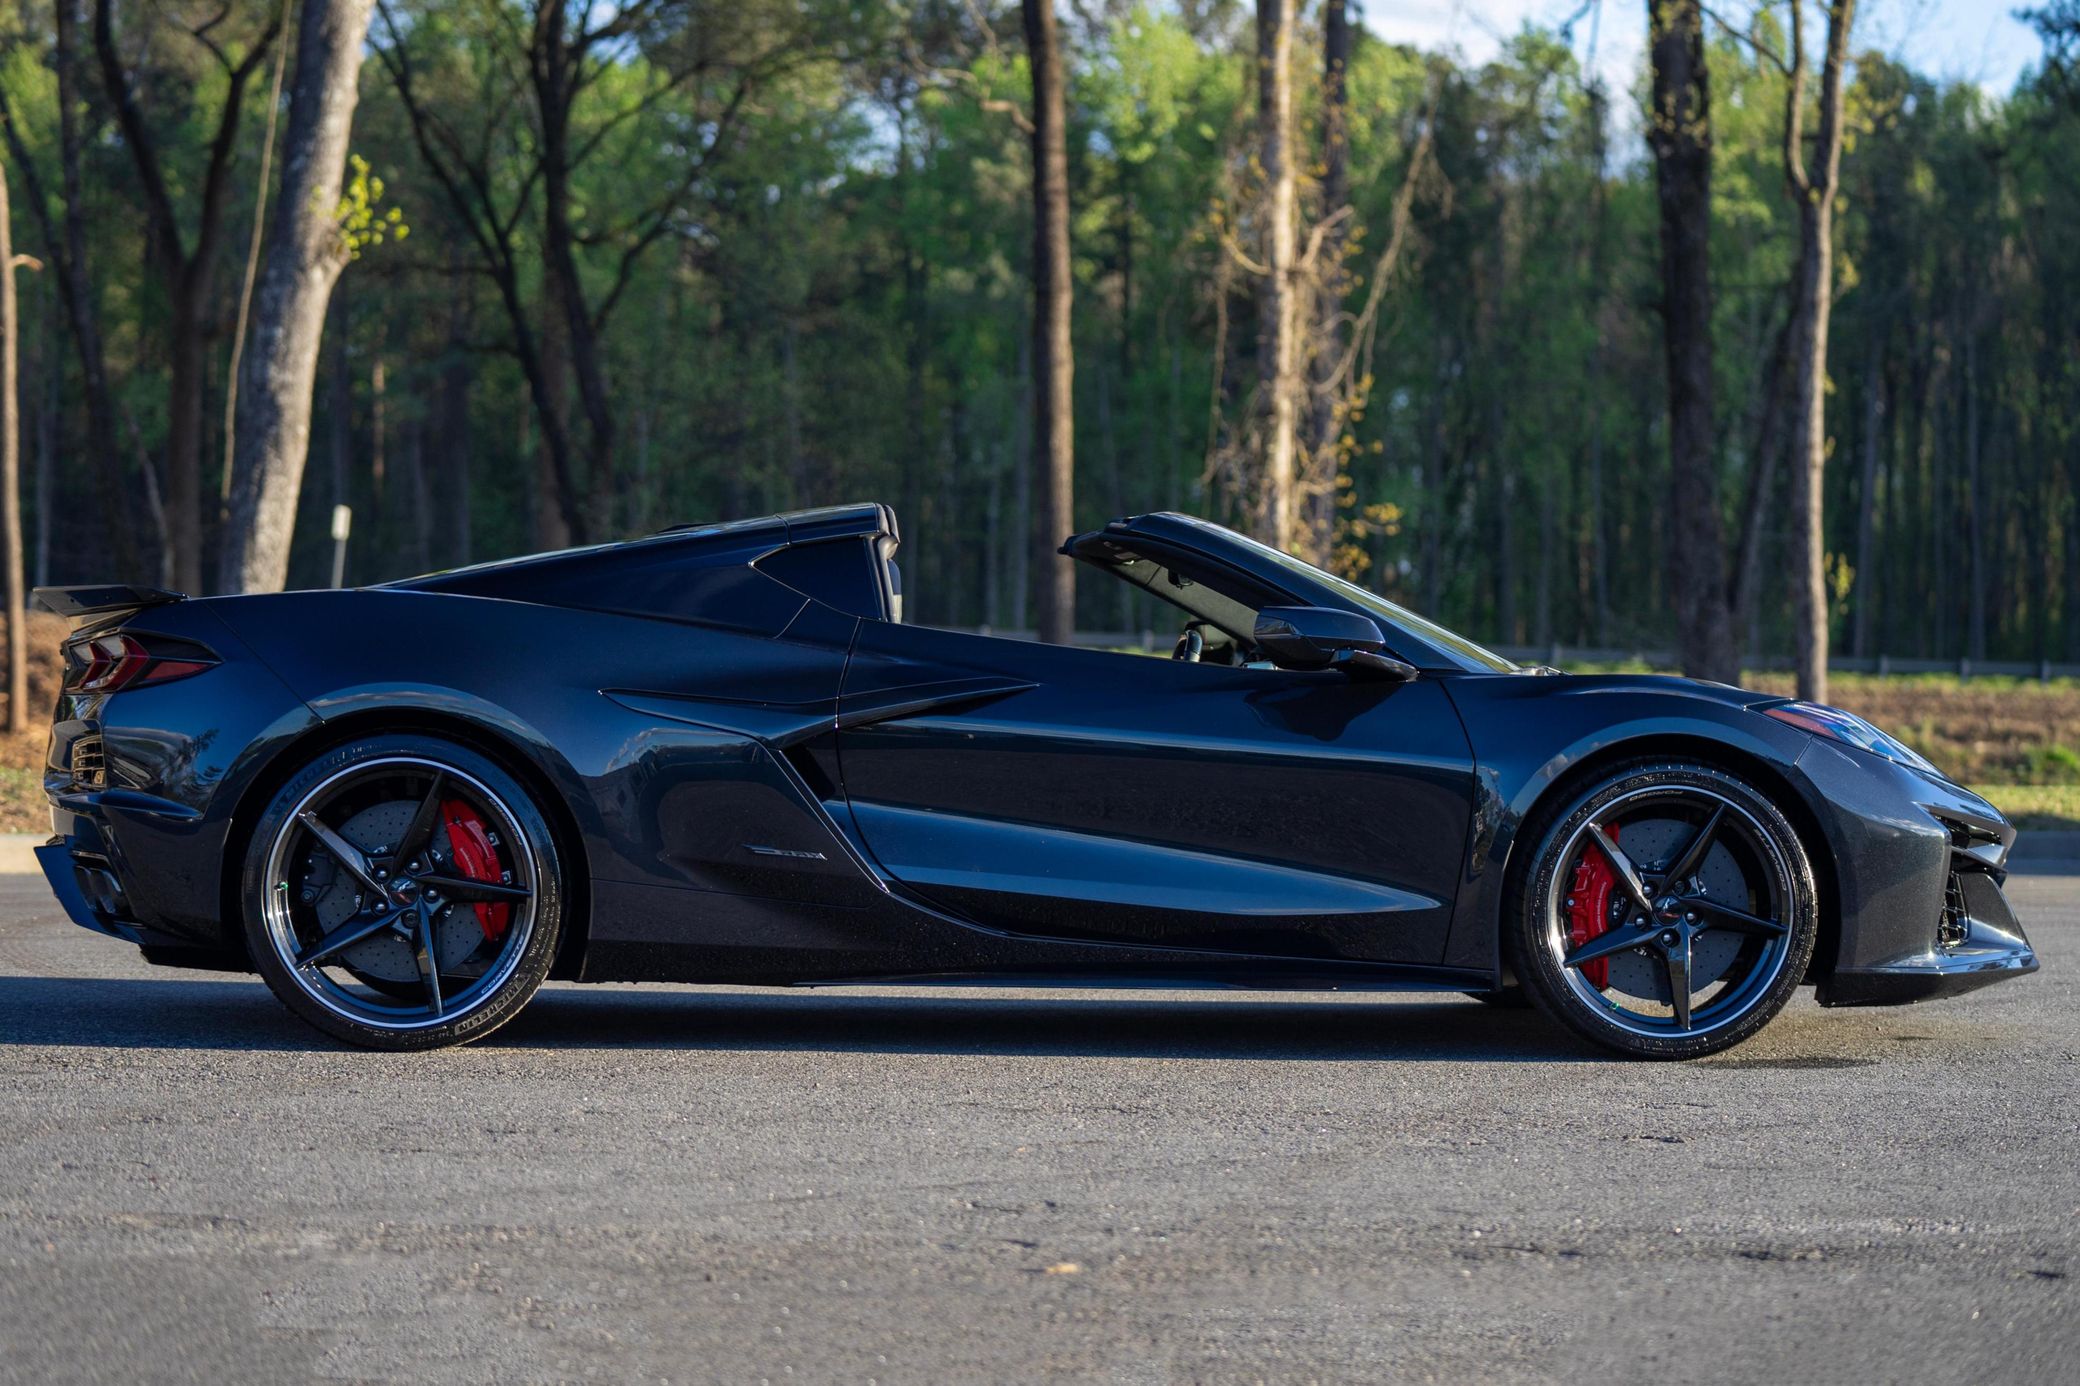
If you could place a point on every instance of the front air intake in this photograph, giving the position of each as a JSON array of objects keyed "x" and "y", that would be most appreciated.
[{"x": 1952, "y": 929}]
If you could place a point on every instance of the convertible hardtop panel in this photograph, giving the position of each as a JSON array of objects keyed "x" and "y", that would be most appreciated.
[{"x": 700, "y": 573}]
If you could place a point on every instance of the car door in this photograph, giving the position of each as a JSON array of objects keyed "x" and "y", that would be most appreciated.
[{"x": 1068, "y": 793}]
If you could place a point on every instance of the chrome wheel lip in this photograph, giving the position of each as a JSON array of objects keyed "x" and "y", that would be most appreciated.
[
  {"x": 278, "y": 920},
  {"x": 1753, "y": 988}
]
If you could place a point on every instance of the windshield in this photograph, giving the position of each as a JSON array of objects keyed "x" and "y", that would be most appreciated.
[{"x": 1451, "y": 644}]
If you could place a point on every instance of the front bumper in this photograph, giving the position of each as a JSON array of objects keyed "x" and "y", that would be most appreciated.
[
  {"x": 1984, "y": 945},
  {"x": 1919, "y": 866}
]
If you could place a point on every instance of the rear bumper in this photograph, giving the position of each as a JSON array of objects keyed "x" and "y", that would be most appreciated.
[
  {"x": 88, "y": 891},
  {"x": 91, "y": 893}
]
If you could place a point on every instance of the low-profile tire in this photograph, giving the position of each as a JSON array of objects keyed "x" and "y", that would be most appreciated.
[
  {"x": 1675, "y": 876},
  {"x": 403, "y": 892}
]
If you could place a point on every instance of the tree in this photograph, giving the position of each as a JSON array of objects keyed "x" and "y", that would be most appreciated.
[
  {"x": 11, "y": 475},
  {"x": 1813, "y": 188},
  {"x": 68, "y": 255},
  {"x": 560, "y": 89},
  {"x": 1325, "y": 422},
  {"x": 1278, "y": 375},
  {"x": 187, "y": 269},
  {"x": 1679, "y": 132},
  {"x": 305, "y": 255},
  {"x": 1054, "y": 415}
]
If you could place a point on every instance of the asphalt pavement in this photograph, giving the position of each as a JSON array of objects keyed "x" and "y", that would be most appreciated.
[{"x": 684, "y": 1184}]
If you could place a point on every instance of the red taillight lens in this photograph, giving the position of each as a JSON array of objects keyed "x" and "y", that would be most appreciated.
[{"x": 109, "y": 663}]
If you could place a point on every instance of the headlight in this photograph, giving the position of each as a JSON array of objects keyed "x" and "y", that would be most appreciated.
[{"x": 1837, "y": 725}]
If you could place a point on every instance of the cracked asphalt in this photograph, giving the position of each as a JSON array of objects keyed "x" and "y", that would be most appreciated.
[{"x": 679, "y": 1184}]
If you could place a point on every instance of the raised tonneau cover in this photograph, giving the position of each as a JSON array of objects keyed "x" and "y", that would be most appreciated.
[
  {"x": 94, "y": 599},
  {"x": 698, "y": 573},
  {"x": 806, "y": 526}
]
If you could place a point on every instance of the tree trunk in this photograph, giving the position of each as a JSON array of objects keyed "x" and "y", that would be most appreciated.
[
  {"x": 11, "y": 479},
  {"x": 1054, "y": 416},
  {"x": 457, "y": 377},
  {"x": 1975, "y": 499},
  {"x": 1867, "y": 490},
  {"x": 187, "y": 272},
  {"x": 556, "y": 75},
  {"x": 1813, "y": 304},
  {"x": 339, "y": 409},
  {"x": 75, "y": 289},
  {"x": 554, "y": 501},
  {"x": 254, "y": 239},
  {"x": 1599, "y": 215},
  {"x": 1680, "y": 135},
  {"x": 1272, "y": 508},
  {"x": 305, "y": 255},
  {"x": 47, "y": 379},
  {"x": 1317, "y": 539}
]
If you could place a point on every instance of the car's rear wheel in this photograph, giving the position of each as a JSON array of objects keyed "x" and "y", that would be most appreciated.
[
  {"x": 1668, "y": 910},
  {"x": 403, "y": 892}
]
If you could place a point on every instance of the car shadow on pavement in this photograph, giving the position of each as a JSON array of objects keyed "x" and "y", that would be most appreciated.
[
  {"x": 130, "y": 1013},
  {"x": 1091, "y": 1024},
  {"x": 240, "y": 1014}
]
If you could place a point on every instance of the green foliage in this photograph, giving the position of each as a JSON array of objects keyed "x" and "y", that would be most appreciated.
[
  {"x": 362, "y": 222},
  {"x": 836, "y": 306}
]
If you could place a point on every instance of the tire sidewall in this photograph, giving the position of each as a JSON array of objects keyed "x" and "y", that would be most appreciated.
[
  {"x": 535, "y": 960},
  {"x": 1525, "y": 921}
]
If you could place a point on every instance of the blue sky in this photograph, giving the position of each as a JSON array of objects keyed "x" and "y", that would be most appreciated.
[{"x": 1965, "y": 40}]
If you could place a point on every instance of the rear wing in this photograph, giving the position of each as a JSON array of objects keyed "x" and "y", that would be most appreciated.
[{"x": 97, "y": 598}]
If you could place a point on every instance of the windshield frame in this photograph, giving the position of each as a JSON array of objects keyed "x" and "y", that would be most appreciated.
[{"x": 1418, "y": 639}]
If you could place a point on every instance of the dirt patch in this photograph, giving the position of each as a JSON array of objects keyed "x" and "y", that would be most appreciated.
[
  {"x": 22, "y": 805},
  {"x": 1977, "y": 731}
]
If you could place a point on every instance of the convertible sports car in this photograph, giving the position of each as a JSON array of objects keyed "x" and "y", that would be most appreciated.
[{"x": 718, "y": 754}]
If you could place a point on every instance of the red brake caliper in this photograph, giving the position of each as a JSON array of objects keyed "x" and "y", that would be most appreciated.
[
  {"x": 475, "y": 858},
  {"x": 1589, "y": 907}
]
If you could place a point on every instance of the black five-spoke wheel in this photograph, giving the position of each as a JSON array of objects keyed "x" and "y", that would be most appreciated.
[
  {"x": 1668, "y": 910},
  {"x": 403, "y": 892}
]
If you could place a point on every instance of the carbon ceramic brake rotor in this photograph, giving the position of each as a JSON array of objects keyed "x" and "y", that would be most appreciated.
[
  {"x": 1712, "y": 952},
  {"x": 385, "y": 955}
]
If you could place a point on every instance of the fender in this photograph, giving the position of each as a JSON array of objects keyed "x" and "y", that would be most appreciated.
[{"x": 1594, "y": 717}]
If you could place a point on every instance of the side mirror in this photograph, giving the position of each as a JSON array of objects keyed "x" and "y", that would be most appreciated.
[{"x": 1321, "y": 637}]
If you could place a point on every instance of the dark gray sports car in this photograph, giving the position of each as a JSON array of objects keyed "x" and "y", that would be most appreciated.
[{"x": 718, "y": 754}]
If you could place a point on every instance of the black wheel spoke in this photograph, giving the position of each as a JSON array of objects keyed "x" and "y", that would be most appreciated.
[
  {"x": 1685, "y": 866},
  {"x": 465, "y": 888},
  {"x": 346, "y": 936},
  {"x": 1678, "y": 962},
  {"x": 424, "y": 821},
  {"x": 1720, "y": 916},
  {"x": 346, "y": 853},
  {"x": 363, "y": 894},
  {"x": 1628, "y": 874},
  {"x": 428, "y": 962},
  {"x": 1605, "y": 945}
]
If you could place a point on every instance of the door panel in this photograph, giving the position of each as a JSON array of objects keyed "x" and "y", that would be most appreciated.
[{"x": 1078, "y": 794}]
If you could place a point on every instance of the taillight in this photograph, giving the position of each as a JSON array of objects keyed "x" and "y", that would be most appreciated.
[{"x": 109, "y": 663}]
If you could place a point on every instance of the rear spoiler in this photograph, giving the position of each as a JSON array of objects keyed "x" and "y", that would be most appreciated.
[{"x": 96, "y": 598}]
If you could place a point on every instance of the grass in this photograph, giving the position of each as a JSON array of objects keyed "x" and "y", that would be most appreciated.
[{"x": 2036, "y": 807}]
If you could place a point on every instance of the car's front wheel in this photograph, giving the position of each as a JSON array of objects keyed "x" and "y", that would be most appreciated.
[
  {"x": 1668, "y": 910},
  {"x": 403, "y": 892}
]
